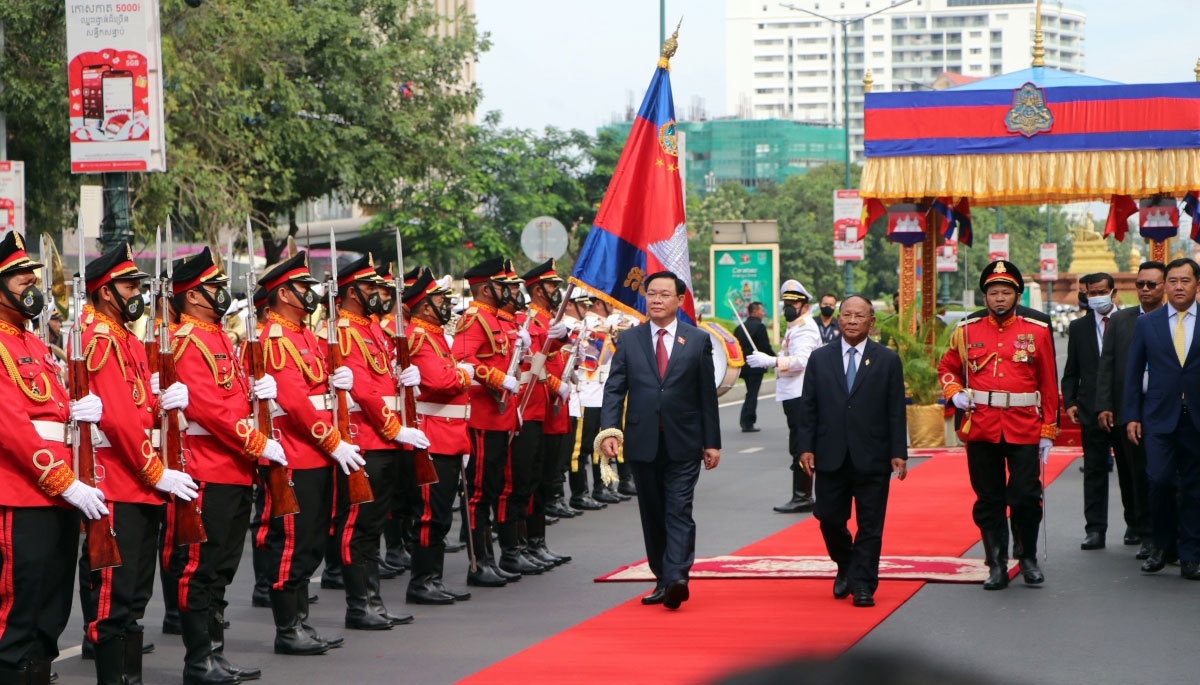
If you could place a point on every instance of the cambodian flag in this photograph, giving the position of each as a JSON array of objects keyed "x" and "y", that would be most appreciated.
[
  {"x": 640, "y": 228},
  {"x": 1191, "y": 205}
]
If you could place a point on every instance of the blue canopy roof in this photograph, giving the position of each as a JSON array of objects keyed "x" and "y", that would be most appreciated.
[{"x": 1042, "y": 76}]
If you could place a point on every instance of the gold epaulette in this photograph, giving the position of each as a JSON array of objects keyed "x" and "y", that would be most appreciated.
[
  {"x": 275, "y": 331},
  {"x": 101, "y": 328},
  {"x": 1043, "y": 324},
  {"x": 343, "y": 322},
  {"x": 464, "y": 321},
  {"x": 416, "y": 339},
  {"x": 183, "y": 331}
]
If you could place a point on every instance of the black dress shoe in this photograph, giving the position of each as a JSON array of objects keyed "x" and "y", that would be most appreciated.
[
  {"x": 1093, "y": 541},
  {"x": 626, "y": 487},
  {"x": 616, "y": 492},
  {"x": 676, "y": 594},
  {"x": 559, "y": 509},
  {"x": 1155, "y": 562},
  {"x": 864, "y": 597},
  {"x": 586, "y": 503},
  {"x": 751, "y": 429},
  {"x": 1144, "y": 551},
  {"x": 1190, "y": 570},
  {"x": 605, "y": 496},
  {"x": 1131, "y": 538},
  {"x": 1031, "y": 573},
  {"x": 841, "y": 586},
  {"x": 387, "y": 572},
  {"x": 655, "y": 597}
]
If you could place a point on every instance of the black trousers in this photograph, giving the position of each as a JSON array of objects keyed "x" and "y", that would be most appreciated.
[
  {"x": 1098, "y": 444},
  {"x": 114, "y": 599},
  {"x": 857, "y": 557},
  {"x": 433, "y": 505},
  {"x": 525, "y": 457},
  {"x": 666, "y": 490},
  {"x": 551, "y": 467},
  {"x": 1019, "y": 490},
  {"x": 357, "y": 528},
  {"x": 791, "y": 411},
  {"x": 587, "y": 427},
  {"x": 568, "y": 448},
  {"x": 1135, "y": 489},
  {"x": 293, "y": 545},
  {"x": 489, "y": 478},
  {"x": 202, "y": 571},
  {"x": 37, "y": 555},
  {"x": 749, "y": 415},
  {"x": 1173, "y": 469}
]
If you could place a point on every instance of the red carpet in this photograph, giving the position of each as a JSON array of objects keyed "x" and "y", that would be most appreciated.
[
  {"x": 730, "y": 625},
  {"x": 729, "y": 567}
]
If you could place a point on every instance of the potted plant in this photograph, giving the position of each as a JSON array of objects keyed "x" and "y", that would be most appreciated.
[{"x": 920, "y": 353}]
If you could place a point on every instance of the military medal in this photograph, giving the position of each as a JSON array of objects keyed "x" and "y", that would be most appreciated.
[{"x": 1020, "y": 355}]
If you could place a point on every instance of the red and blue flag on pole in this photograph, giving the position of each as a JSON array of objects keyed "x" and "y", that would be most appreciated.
[{"x": 640, "y": 228}]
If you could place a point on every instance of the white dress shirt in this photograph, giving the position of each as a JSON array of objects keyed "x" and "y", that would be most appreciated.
[
  {"x": 858, "y": 356},
  {"x": 1100, "y": 326},
  {"x": 1189, "y": 323},
  {"x": 668, "y": 340}
]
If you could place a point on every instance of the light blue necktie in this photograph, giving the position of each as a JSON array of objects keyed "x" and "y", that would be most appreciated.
[{"x": 851, "y": 370}]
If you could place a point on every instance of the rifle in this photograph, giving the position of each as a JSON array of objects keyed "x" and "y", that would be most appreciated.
[
  {"x": 358, "y": 489},
  {"x": 47, "y": 287},
  {"x": 423, "y": 469},
  {"x": 279, "y": 480},
  {"x": 572, "y": 362},
  {"x": 514, "y": 363},
  {"x": 539, "y": 359},
  {"x": 101, "y": 536},
  {"x": 189, "y": 524}
]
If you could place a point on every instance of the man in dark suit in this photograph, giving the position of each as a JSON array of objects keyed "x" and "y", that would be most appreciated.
[
  {"x": 662, "y": 382},
  {"x": 1130, "y": 458},
  {"x": 853, "y": 433},
  {"x": 753, "y": 325},
  {"x": 1085, "y": 338},
  {"x": 1165, "y": 345}
]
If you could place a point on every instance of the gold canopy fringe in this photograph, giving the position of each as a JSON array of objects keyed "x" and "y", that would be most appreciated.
[
  {"x": 1034, "y": 178},
  {"x": 613, "y": 302}
]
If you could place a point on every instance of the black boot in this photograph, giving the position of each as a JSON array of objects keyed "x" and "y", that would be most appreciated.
[
  {"x": 995, "y": 547},
  {"x": 483, "y": 575},
  {"x": 537, "y": 545},
  {"x": 331, "y": 577},
  {"x": 376, "y": 600},
  {"x": 216, "y": 633},
  {"x": 395, "y": 535},
  {"x": 133, "y": 658},
  {"x": 490, "y": 556},
  {"x": 290, "y": 636},
  {"x": 30, "y": 673},
  {"x": 801, "y": 500},
  {"x": 261, "y": 597},
  {"x": 602, "y": 494},
  {"x": 437, "y": 559},
  {"x": 171, "y": 624},
  {"x": 523, "y": 543},
  {"x": 360, "y": 615},
  {"x": 511, "y": 559},
  {"x": 110, "y": 661},
  {"x": 421, "y": 588},
  {"x": 199, "y": 666},
  {"x": 1026, "y": 540},
  {"x": 302, "y": 601},
  {"x": 453, "y": 547},
  {"x": 626, "y": 486}
]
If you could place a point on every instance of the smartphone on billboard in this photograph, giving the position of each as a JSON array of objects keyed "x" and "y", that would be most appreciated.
[
  {"x": 93, "y": 94},
  {"x": 118, "y": 100}
]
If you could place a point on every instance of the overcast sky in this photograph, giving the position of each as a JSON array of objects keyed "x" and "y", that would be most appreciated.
[{"x": 576, "y": 64}]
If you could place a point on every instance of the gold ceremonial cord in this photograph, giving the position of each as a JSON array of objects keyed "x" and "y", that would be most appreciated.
[
  {"x": 353, "y": 336},
  {"x": 286, "y": 345},
  {"x": 211, "y": 361},
  {"x": 11, "y": 367}
]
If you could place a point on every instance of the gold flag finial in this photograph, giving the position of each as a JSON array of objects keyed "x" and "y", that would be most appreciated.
[
  {"x": 868, "y": 81},
  {"x": 1039, "y": 52},
  {"x": 669, "y": 47},
  {"x": 1197, "y": 70}
]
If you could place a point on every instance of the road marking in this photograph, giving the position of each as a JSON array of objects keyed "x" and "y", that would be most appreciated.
[
  {"x": 739, "y": 402},
  {"x": 750, "y": 450},
  {"x": 70, "y": 652}
]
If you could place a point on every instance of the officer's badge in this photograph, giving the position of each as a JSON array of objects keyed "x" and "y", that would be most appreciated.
[
  {"x": 1029, "y": 115},
  {"x": 667, "y": 139}
]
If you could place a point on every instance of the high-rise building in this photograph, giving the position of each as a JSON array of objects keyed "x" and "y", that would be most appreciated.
[{"x": 786, "y": 64}]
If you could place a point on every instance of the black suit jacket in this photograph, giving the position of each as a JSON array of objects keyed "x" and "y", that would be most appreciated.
[
  {"x": 758, "y": 333},
  {"x": 1079, "y": 375},
  {"x": 1110, "y": 378},
  {"x": 866, "y": 423},
  {"x": 684, "y": 403}
]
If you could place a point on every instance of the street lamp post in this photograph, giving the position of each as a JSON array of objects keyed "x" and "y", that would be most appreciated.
[{"x": 848, "y": 269}]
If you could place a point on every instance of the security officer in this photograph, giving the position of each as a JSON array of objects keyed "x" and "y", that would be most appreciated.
[
  {"x": 294, "y": 544},
  {"x": 223, "y": 449},
  {"x": 1000, "y": 372},
  {"x": 802, "y": 337},
  {"x": 135, "y": 480},
  {"x": 41, "y": 493}
]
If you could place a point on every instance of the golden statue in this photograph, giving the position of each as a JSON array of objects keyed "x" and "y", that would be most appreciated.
[{"x": 1091, "y": 253}]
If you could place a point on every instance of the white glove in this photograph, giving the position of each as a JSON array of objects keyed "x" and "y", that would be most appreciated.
[
  {"x": 87, "y": 409},
  {"x": 761, "y": 360},
  {"x": 558, "y": 331},
  {"x": 410, "y": 377},
  {"x": 961, "y": 400},
  {"x": 154, "y": 383},
  {"x": 523, "y": 336},
  {"x": 265, "y": 388},
  {"x": 413, "y": 436},
  {"x": 347, "y": 457},
  {"x": 85, "y": 498},
  {"x": 177, "y": 483},
  {"x": 273, "y": 451},
  {"x": 342, "y": 379},
  {"x": 614, "y": 320},
  {"x": 469, "y": 368},
  {"x": 1044, "y": 445},
  {"x": 511, "y": 383},
  {"x": 174, "y": 397},
  {"x": 564, "y": 391}
]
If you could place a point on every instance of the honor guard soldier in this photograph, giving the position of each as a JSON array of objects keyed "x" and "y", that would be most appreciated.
[
  {"x": 574, "y": 318},
  {"x": 442, "y": 410},
  {"x": 39, "y": 527},
  {"x": 357, "y": 528},
  {"x": 223, "y": 449},
  {"x": 295, "y": 358},
  {"x": 487, "y": 344},
  {"x": 135, "y": 480},
  {"x": 1000, "y": 373}
]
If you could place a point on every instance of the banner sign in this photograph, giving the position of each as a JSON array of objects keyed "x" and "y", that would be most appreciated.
[
  {"x": 947, "y": 257},
  {"x": 12, "y": 197},
  {"x": 847, "y": 235},
  {"x": 1049, "y": 262},
  {"x": 114, "y": 77},
  {"x": 997, "y": 246},
  {"x": 743, "y": 274}
]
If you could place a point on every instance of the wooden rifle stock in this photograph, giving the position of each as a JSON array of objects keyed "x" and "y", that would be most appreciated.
[
  {"x": 101, "y": 537},
  {"x": 357, "y": 486},
  {"x": 423, "y": 469},
  {"x": 189, "y": 525},
  {"x": 279, "y": 483}
]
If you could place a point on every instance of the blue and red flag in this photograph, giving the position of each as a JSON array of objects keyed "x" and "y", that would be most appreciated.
[
  {"x": 1191, "y": 205},
  {"x": 641, "y": 228},
  {"x": 945, "y": 207},
  {"x": 962, "y": 217}
]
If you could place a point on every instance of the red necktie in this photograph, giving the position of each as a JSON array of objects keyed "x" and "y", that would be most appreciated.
[
  {"x": 660, "y": 354},
  {"x": 1104, "y": 326}
]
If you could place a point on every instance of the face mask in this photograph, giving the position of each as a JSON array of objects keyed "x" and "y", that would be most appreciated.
[
  {"x": 518, "y": 298},
  {"x": 554, "y": 297},
  {"x": 219, "y": 302},
  {"x": 826, "y": 311},
  {"x": 385, "y": 305},
  {"x": 373, "y": 303},
  {"x": 1100, "y": 303},
  {"x": 445, "y": 311},
  {"x": 308, "y": 299},
  {"x": 131, "y": 309},
  {"x": 29, "y": 303},
  {"x": 790, "y": 313}
]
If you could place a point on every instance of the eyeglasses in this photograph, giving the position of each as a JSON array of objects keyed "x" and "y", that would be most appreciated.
[{"x": 1148, "y": 285}]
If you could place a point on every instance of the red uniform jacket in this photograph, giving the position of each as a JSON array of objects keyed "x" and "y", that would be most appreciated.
[
  {"x": 365, "y": 351},
  {"x": 296, "y": 360},
  {"x": 222, "y": 444},
  {"x": 33, "y": 469},
  {"x": 539, "y": 400},
  {"x": 483, "y": 341},
  {"x": 1011, "y": 356},
  {"x": 557, "y": 423},
  {"x": 444, "y": 389},
  {"x": 119, "y": 375}
]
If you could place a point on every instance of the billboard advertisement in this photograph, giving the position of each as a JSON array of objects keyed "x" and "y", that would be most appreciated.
[
  {"x": 742, "y": 274},
  {"x": 12, "y": 197},
  {"x": 997, "y": 247},
  {"x": 1049, "y": 262},
  {"x": 847, "y": 215}
]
